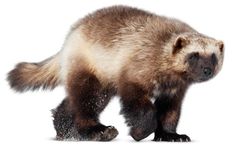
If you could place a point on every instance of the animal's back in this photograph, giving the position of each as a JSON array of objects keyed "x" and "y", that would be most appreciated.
[
  {"x": 109, "y": 39},
  {"x": 107, "y": 26}
]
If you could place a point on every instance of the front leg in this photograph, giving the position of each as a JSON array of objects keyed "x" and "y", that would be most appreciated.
[
  {"x": 168, "y": 113},
  {"x": 138, "y": 111}
]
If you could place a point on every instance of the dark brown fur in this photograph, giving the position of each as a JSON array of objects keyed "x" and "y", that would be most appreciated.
[
  {"x": 87, "y": 99},
  {"x": 168, "y": 112},
  {"x": 138, "y": 110}
]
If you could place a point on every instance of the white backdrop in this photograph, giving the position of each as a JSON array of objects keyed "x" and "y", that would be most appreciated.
[{"x": 34, "y": 30}]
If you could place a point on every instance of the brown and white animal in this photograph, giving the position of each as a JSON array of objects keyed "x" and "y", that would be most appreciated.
[{"x": 127, "y": 52}]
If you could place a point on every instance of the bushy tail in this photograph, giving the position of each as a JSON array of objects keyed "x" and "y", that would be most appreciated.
[{"x": 32, "y": 76}]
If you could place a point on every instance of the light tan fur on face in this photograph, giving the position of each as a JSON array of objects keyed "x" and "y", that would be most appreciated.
[{"x": 205, "y": 46}]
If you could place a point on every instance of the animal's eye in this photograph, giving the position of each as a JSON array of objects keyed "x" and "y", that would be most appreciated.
[
  {"x": 214, "y": 59},
  {"x": 194, "y": 56}
]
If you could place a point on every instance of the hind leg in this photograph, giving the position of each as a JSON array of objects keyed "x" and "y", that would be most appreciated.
[
  {"x": 64, "y": 122},
  {"x": 86, "y": 100}
]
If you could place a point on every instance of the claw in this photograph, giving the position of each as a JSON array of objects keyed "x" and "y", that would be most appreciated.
[
  {"x": 172, "y": 137},
  {"x": 111, "y": 127}
]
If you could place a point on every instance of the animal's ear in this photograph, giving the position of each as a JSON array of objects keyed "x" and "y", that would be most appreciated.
[
  {"x": 221, "y": 46},
  {"x": 179, "y": 43}
]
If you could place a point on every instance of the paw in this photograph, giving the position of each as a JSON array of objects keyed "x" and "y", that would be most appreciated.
[
  {"x": 100, "y": 133},
  {"x": 138, "y": 133},
  {"x": 93, "y": 133},
  {"x": 107, "y": 134},
  {"x": 171, "y": 137}
]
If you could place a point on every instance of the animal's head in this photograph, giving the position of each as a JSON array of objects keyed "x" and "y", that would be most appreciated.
[{"x": 197, "y": 57}]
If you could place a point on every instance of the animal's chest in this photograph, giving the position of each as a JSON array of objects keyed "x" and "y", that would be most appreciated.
[{"x": 164, "y": 89}]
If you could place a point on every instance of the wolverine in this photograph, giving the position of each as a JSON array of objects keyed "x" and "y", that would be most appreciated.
[{"x": 148, "y": 60}]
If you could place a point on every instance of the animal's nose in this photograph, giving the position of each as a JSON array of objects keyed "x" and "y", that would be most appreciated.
[{"x": 207, "y": 71}]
